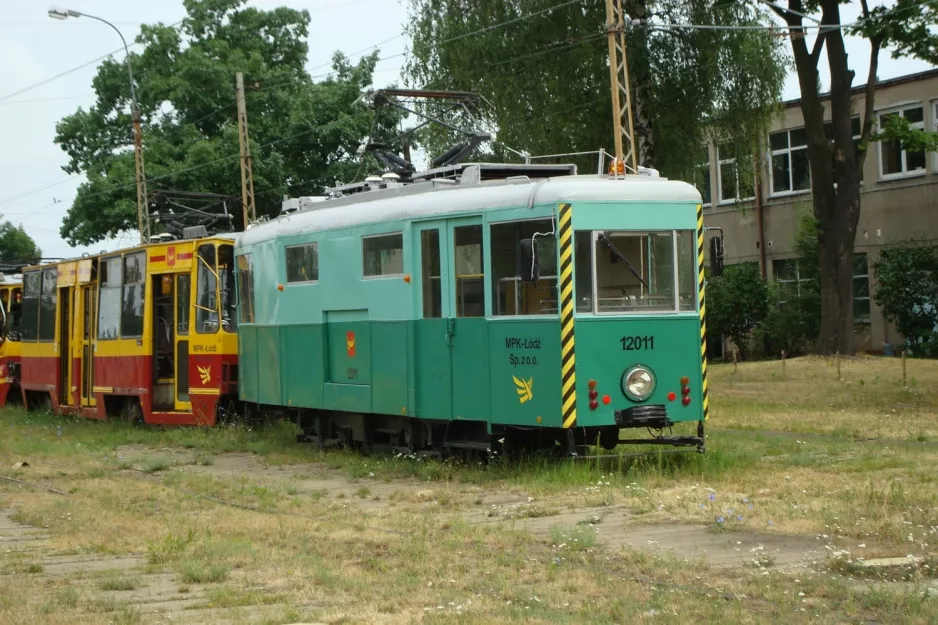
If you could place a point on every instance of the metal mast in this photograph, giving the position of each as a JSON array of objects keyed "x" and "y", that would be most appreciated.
[
  {"x": 247, "y": 173},
  {"x": 619, "y": 82}
]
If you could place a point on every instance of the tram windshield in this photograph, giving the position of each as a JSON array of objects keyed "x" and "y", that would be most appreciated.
[{"x": 636, "y": 272}]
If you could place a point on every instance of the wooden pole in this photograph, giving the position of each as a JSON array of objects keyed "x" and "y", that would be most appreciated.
[
  {"x": 837, "y": 358},
  {"x": 904, "y": 379},
  {"x": 735, "y": 363},
  {"x": 783, "y": 363}
]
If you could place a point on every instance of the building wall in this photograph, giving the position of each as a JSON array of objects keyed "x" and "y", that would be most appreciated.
[{"x": 894, "y": 207}]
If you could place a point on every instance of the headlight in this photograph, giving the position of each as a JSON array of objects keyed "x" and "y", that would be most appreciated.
[{"x": 638, "y": 383}]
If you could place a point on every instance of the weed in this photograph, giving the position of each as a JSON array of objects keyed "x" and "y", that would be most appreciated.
[
  {"x": 197, "y": 572},
  {"x": 116, "y": 582},
  {"x": 155, "y": 465}
]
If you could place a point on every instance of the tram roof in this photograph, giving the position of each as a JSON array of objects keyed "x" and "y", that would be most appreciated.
[{"x": 445, "y": 198}]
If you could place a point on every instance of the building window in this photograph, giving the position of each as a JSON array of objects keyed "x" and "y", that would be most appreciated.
[
  {"x": 383, "y": 255},
  {"x": 702, "y": 177},
  {"x": 302, "y": 263},
  {"x": 731, "y": 188},
  {"x": 789, "y": 275},
  {"x": 894, "y": 159},
  {"x": 790, "y": 169},
  {"x": 861, "y": 290}
]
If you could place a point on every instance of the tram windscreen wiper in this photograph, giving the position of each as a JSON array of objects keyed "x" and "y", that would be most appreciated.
[{"x": 622, "y": 259}]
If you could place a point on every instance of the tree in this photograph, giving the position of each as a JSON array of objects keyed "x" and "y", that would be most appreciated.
[
  {"x": 906, "y": 28},
  {"x": 16, "y": 246},
  {"x": 907, "y": 291},
  {"x": 546, "y": 74},
  {"x": 304, "y": 134},
  {"x": 737, "y": 302}
]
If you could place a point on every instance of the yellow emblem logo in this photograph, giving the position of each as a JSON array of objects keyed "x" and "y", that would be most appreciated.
[
  {"x": 525, "y": 389},
  {"x": 205, "y": 373}
]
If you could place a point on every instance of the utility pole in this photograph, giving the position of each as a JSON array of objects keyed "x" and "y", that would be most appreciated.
[
  {"x": 143, "y": 212},
  {"x": 619, "y": 82},
  {"x": 247, "y": 174}
]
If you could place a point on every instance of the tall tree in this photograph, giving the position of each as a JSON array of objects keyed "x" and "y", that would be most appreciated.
[
  {"x": 16, "y": 245},
  {"x": 908, "y": 29},
  {"x": 304, "y": 134},
  {"x": 543, "y": 65}
]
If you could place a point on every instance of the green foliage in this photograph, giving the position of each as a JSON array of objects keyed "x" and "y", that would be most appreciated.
[
  {"x": 737, "y": 302},
  {"x": 16, "y": 245},
  {"x": 907, "y": 292},
  {"x": 897, "y": 128},
  {"x": 304, "y": 135},
  {"x": 546, "y": 75}
]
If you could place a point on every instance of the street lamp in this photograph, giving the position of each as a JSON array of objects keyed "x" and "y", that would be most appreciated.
[{"x": 143, "y": 217}]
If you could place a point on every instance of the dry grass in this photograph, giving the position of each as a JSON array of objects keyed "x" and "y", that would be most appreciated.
[{"x": 340, "y": 538}]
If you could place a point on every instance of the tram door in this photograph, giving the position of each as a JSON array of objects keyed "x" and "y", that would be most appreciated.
[
  {"x": 435, "y": 378},
  {"x": 88, "y": 319},
  {"x": 182, "y": 320},
  {"x": 66, "y": 296},
  {"x": 468, "y": 334}
]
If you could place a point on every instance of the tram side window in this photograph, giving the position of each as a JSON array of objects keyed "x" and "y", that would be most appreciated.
[
  {"x": 246, "y": 288},
  {"x": 47, "y": 303},
  {"x": 206, "y": 312},
  {"x": 642, "y": 280},
  {"x": 229, "y": 313},
  {"x": 510, "y": 295},
  {"x": 583, "y": 270},
  {"x": 132, "y": 305},
  {"x": 470, "y": 271},
  {"x": 15, "y": 314},
  {"x": 31, "y": 281},
  {"x": 109, "y": 302},
  {"x": 383, "y": 255}
]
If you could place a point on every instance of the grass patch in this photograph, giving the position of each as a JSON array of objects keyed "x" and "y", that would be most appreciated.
[
  {"x": 118, "y": 582},
  {"x": 196, "y": 572}
]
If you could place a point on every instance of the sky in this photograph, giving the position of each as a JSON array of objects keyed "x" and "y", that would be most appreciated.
[{"x": 36, "y": 192}]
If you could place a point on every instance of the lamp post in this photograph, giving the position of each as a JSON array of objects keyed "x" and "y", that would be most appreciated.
[{"x": 143, "y": 216}]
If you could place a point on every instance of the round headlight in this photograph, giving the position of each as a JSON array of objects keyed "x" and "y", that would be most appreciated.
[{"x": 638, "y": 383}]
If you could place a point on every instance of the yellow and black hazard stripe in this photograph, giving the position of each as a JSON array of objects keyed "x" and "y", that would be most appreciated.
[
  {"x": 567, "y": 355},
  {"x": 703, "y": 311}
]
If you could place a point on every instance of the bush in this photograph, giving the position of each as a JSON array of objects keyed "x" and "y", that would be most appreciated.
[
  {"x": 737, "y": 302},
  {"x": 793, "y": 326},
  {"x": 907, "y": 292}
]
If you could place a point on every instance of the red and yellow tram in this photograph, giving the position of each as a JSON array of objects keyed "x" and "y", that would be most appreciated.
[
  {"x": 11, "y": 302},
  {"x": 146, "y": 333}
]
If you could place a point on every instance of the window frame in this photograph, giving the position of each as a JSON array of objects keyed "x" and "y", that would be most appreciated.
[
  {"x": 381, "y": 276},
  {"x": 797, "y": 281},
  {"x": 900, "y": 110},
  {"x": 934, "y": 127},
  {"x": 788, "y": 151},
  {"x": 315, "y": 246},
  {"x": 853, "y": 278},
  {"x": 676, "y": 310},
  {"x": 201, "y": 266},
  {"x": 720, "y": 199},
  {"x": 54, "y": 272},
  {"x": 34, "y": 337}
]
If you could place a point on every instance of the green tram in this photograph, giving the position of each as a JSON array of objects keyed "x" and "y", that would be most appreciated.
[{"x": 478, "y": 305}]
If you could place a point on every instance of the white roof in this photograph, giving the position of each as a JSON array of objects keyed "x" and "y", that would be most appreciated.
[{"x": 382, "y": 207}]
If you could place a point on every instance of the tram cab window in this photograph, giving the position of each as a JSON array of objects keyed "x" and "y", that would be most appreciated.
[
  {"x": 226, "y": 287},
  {"x": 583, "y": 270},
  {"x": 512, "y": 296},
  {"x": 687, "y": 269},
  {"x": 635, "y": 272},
  {"x": 206, "y": 313}
]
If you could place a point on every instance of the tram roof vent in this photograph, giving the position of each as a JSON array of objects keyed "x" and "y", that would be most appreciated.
[{"x": 194, "y": 232}]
